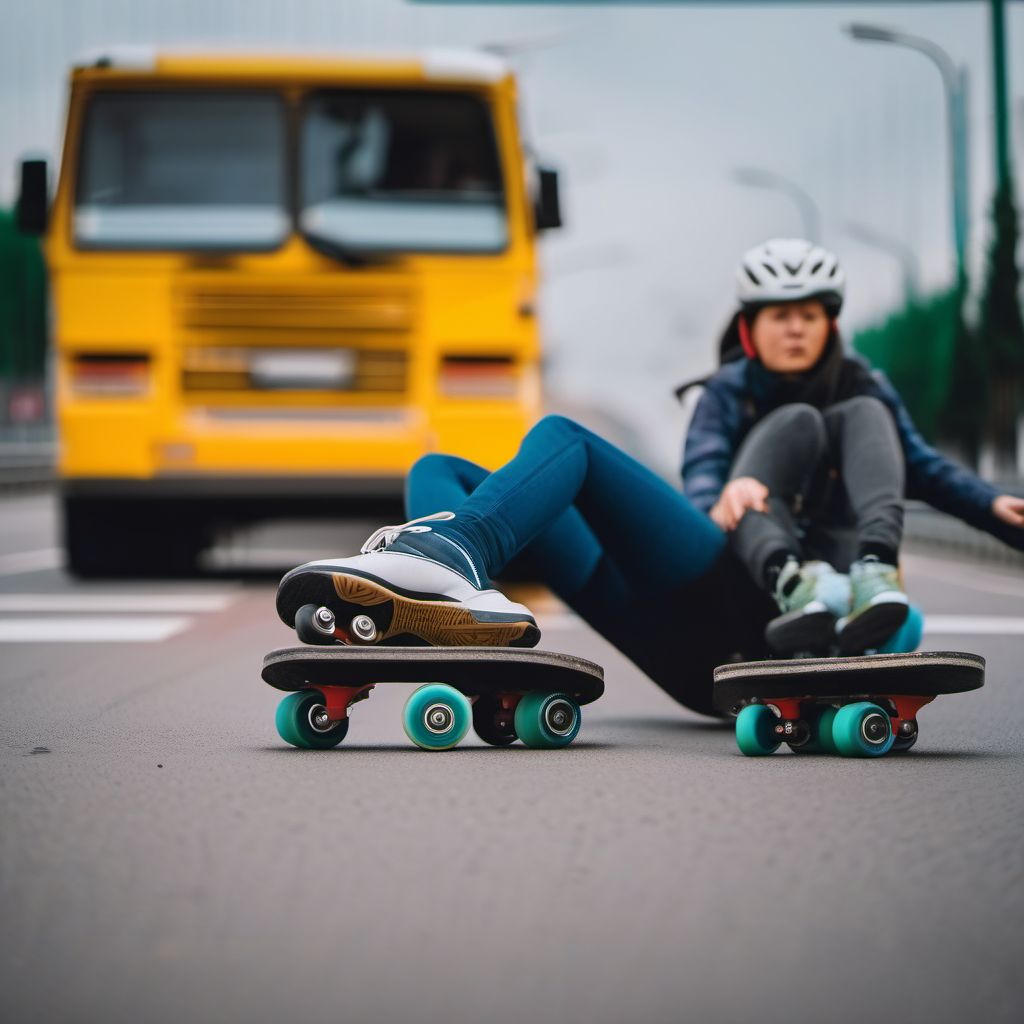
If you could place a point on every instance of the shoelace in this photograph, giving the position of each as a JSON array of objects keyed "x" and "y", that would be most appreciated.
[{"x": 386, "y": 535}]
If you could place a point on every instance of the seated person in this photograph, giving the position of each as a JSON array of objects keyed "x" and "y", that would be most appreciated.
[{"x": 803, "y": 456}]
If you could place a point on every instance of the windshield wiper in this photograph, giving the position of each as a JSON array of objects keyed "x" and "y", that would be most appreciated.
[{"x": 336, "y": 250}]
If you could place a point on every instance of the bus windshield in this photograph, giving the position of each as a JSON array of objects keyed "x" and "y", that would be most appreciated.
[
  {"x": 392, "y": 170},
  {"x": 378, "y": 170},
  {"x": 183, "y": 170}
]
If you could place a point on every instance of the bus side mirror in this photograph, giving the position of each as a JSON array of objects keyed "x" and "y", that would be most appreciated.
[
  {"x": 33, "y": 199},
  {"x": 547, "y": 211}
]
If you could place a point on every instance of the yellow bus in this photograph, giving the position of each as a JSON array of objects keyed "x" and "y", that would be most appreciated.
[{"x": 277, "y": 282}]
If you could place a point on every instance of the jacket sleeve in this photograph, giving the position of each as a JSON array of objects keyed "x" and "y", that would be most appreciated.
[
  {"x": 939, "y": 481},
  {"x": 709, "y": 450}
]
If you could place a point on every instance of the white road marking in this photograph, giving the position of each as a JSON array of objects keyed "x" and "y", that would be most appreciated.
[
  {"x": 970, "y": 576},
  {"x": 91, "y": 629},
  {"x": 31, "y": 561},
  {"x": 934, "y": 625},
  {"x": 101, "y": 602},
  {"x": 974, "y": 625}
]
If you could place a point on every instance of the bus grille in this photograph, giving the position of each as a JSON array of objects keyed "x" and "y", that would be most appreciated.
[
  {"x": 267, "y": 335},
  {"x": 272, "y": 305}
]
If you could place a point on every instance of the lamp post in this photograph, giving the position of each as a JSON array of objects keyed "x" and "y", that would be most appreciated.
[
  {"x": 1000, "y": 90},
  {"x": 900, "y": 251},
  {"x": 954, "y": 81},
  {"x": 756, "y": 177}
]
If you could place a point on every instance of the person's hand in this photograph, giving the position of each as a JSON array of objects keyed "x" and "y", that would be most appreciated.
[
  {"x": 737, "y": 496},
  {"x": 1009, "y": 508}
]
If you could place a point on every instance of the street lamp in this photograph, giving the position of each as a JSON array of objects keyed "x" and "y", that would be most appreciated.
[
  {"x": 756, "y": 177},
  {"x": 954, "y": 81},
  {"x": 894, "y": 247}
]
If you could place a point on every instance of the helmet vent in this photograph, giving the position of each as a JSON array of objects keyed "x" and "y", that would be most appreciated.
[{"x": 789, "y": 269}]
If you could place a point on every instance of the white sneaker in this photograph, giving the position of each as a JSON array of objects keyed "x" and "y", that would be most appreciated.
[{"x": 418, "y": 586}]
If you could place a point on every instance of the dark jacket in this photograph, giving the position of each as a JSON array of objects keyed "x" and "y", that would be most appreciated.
[{"x": 739, "y": 394}]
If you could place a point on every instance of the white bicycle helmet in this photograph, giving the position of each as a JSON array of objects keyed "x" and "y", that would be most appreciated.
[{"x": 789, "y": 270}]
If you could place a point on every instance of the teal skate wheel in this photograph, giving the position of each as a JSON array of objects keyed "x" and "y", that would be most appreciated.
[
  {"x": 755, "y": 730},
  {"x": 862, "y": 730},
  {"x": 547, "y": 721},
  {"x": 437, "y": 716},
  {"x": 908, "y": 637},
  {"x": 301, "y": 720},
  {"x": 823, "y": 731}
]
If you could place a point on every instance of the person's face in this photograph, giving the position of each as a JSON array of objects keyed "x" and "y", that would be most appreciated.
[{"x": 789, "y": 337}]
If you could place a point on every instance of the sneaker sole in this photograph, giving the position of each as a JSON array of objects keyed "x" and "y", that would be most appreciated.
[
  {"x": 801, "y": 631},
  {"x": 398, "y": 616},
  {"x": 872, "y": 627}
]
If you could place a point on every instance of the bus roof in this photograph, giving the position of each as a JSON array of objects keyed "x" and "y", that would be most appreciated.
[{"x": 429, "y": 65}]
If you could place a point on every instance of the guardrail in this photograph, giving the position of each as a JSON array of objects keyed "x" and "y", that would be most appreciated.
[{"x": 27, "y": 463}]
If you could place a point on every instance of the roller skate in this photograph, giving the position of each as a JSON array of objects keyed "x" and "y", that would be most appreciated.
[
  {"x": 411, "y": 585},
  {"x": 811, "y": 597},
  {"x": 879, "y": 607},
  {"x": 862, "y": 706}
]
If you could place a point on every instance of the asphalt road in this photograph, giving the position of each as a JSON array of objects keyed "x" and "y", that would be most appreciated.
[{"x": 164, "y": 857}]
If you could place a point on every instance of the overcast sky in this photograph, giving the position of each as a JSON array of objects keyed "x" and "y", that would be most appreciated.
[{"x": 647, "y": 112}]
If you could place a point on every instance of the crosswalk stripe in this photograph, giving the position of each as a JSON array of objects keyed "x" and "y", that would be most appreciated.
[
  {"x": 92, "y": 629},
  {"x": 974, "y": 625},
  {"x": 101, "y": 602},
  {"x": 30, "y": 561}
]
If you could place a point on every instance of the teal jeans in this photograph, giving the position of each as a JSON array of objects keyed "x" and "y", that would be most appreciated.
[{"x": 625, "y": 550}]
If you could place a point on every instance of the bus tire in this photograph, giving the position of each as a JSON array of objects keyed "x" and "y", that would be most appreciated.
[{"x": 106, "y": 539}]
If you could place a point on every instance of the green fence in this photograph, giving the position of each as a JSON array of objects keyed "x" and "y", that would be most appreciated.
[
  {"x": 22, "y": 317},
  {"x": 917, "y": 348}
]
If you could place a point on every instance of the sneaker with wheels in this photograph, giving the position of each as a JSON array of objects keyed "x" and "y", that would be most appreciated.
[
  {"x": 811, "y": 597},
  {"x": 418, "y": 585},
  {"x": 878, "y": 605}
]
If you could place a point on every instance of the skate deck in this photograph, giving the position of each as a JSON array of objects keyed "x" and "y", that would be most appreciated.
[
  {"x": 920, "y": 674},
  {"x": 473, "y": 670}
]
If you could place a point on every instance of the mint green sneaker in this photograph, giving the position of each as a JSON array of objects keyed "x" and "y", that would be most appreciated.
[
  {"x": 811, "y": 597},
  {"x": 878, "y": 606}
]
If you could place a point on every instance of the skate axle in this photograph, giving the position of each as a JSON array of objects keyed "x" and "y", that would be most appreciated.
[
  {"x": 795, "y": 733},
  {"x": 323, "y": 620},
  {"x": 363, "y": 628}
]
